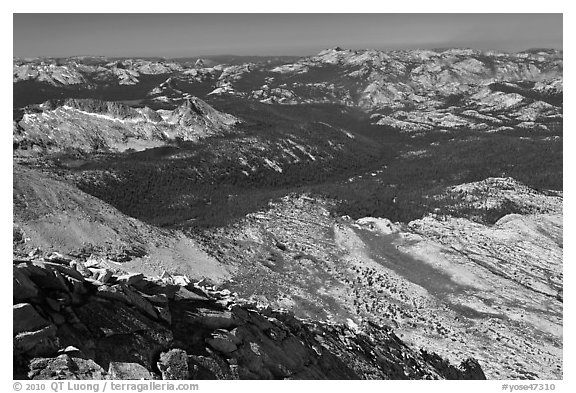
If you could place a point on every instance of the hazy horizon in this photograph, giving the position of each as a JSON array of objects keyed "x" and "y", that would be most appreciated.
[{"x": 194, "y": 35}]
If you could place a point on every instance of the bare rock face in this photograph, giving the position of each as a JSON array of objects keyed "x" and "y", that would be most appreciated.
[
  {"x": 65, "y": 367},
  {"x": 119, "y": 370},
  {"x": 26, "y": 318},
  {"x": 112, "y": 327},
  {"x": 37, "y": 342},
  {"x": 174, "y": 364},
  {"x": 24, "y": 288}
]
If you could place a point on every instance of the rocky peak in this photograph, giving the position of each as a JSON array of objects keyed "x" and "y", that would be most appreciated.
[{"x": 196, "y": 112}]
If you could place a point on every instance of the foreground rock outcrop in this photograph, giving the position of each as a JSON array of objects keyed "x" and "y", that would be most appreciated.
[{"x": 76, "y": 319}]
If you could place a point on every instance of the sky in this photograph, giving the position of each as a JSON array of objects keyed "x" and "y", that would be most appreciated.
[{"x": 189, "y": 35}]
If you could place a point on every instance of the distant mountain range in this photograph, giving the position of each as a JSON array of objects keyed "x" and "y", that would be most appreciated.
[{"x": 413, "y": 90}]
